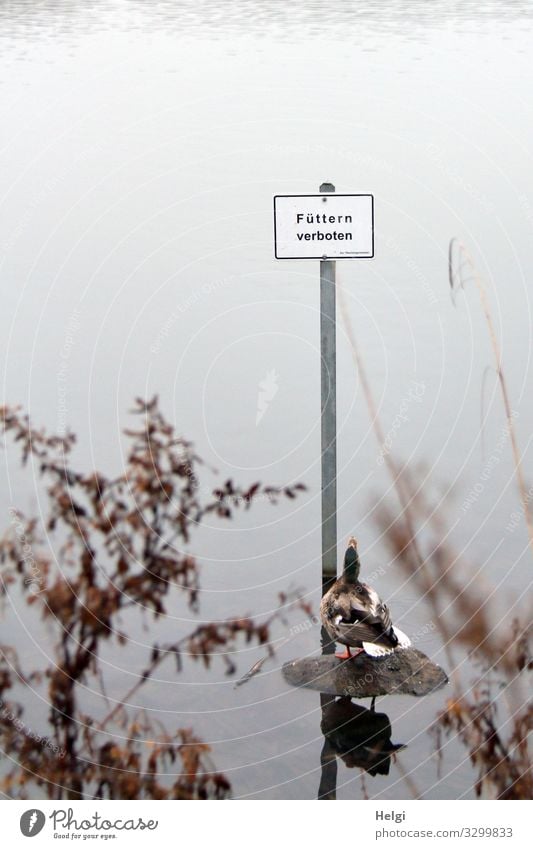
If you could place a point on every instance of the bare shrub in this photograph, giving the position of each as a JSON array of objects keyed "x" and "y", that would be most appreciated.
[{"x": 120, "y": 546}]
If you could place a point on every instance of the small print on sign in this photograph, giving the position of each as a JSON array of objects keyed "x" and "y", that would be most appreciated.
[{"x": 326, "y": 226}]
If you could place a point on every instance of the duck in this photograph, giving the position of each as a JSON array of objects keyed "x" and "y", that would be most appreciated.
[{"x": 354, "y": 615}]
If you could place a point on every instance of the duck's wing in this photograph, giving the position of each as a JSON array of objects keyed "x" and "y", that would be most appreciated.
[
  {"x": 365, "y": 626},
  {"x": 364, "y": 618},
  {"x": 370, "y": 610},
  {"x": 337, "y": 616},
  {"x": 392, "y": 638}
]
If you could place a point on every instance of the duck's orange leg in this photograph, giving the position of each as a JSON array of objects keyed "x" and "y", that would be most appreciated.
[{"x": 346, "y": 655}]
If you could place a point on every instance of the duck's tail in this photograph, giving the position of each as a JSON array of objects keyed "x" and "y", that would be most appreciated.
[{"x": 377, "y": 650}]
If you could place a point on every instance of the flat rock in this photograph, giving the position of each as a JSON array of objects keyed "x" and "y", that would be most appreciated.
[{"x": 405, "y": 671}]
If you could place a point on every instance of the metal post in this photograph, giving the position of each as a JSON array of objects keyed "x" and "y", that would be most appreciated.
[
  {"x": 328, "y": 760},
  {"x": 328, "y": 382}
]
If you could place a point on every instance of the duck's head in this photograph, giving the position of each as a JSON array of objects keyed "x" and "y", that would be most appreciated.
[{"x": 352, "y": 565}]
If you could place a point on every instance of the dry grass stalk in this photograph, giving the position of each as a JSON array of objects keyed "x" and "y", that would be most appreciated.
[
  {"x": 462, "y": 269},
  {"x": 467, "y": 619}
]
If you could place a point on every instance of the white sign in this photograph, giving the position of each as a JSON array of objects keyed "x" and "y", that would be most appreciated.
[{"x": 326, "y": 226}]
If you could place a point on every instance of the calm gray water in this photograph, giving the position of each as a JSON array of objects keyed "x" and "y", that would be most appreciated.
[{"x": 140, "y": 151}]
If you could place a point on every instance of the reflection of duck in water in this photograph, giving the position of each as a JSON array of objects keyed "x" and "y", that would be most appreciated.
[
  {"x": 353, "y": 614},
  {"x": 359, "y": 736}
]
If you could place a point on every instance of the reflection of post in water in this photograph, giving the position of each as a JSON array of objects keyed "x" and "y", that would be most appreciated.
[
  {"x": 328, "y": 757},
  {"x": 328, "y": 762}
]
